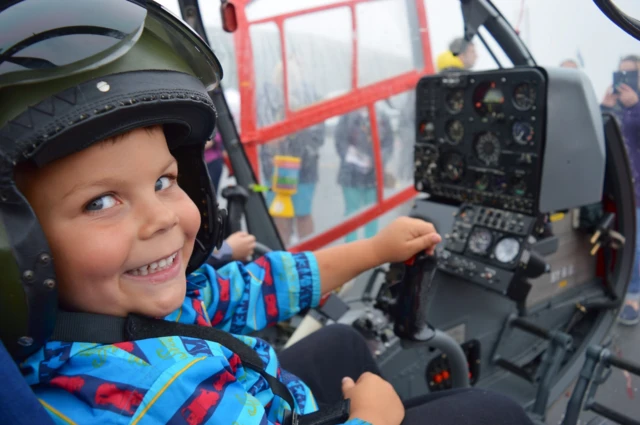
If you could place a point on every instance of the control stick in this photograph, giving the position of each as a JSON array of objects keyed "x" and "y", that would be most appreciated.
[
  {"x": 410, "y": 309},
  {"x": 412, "y": 282},
  {"x": 236, "y": 197}
]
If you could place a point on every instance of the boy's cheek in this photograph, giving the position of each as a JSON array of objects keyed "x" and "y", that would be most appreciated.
[{"x": 190, "y": 217}]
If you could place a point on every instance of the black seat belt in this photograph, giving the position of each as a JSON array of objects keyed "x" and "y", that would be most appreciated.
[{"x": 103, "y": 329}]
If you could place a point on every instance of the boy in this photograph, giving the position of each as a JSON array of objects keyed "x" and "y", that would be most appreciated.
[
  {"x": 91, "y": 154},
  {"x": 146, "y": 229}
]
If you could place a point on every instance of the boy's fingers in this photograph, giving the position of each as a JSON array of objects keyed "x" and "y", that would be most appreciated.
[
  {"x": 424, "y": 227},
  {"x": 347, "y": 384},
  {"x": 425, "y": 242}
]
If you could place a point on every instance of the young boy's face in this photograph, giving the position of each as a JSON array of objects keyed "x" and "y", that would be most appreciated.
[{"x": 120, "y": 229}]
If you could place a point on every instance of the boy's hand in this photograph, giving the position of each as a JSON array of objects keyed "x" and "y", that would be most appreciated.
[
  {"x": 242, "y": 245},
  {"x": 373, "y": 400},
  {"x": 404, "y": 238}
]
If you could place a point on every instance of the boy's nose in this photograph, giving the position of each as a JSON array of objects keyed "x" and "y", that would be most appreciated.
[{"x": 157, "y": 218}]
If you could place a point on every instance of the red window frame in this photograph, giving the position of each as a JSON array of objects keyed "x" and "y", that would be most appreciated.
[{"x": 294, "y": 121}]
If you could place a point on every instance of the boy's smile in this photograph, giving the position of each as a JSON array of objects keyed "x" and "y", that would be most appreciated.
[{"x": 120, "y": 229}]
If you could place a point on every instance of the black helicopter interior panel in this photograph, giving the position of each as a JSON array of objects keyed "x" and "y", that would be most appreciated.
[
  {"x": 480, "y": 142},
  {"x": 480, "y": 138},
  {"x": 493, "y": 152}
]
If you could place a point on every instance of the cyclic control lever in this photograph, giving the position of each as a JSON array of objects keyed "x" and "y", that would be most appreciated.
[{"x": 413, "y": 280}]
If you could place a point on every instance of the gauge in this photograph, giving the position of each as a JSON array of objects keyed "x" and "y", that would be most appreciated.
[
  {"x": 507, "y": 250},
  {"x": 455, "y": 101},
  {"x": 455, "y": 131},
  {"x": 488, "y": 99},
  {"x": 519, "y": 187},
  {"x": 488, "y": 148},
  {"x": 466, "y": 211},
  {"x": 426, "y": 131},
  {"x": 522, "y": 132},
  {"x": 453, "y": 166},
  {"x": 428, "y": 160},
  {"x": 480, "y": 241},
  {"x": 524, "y": 96},
  {"x": 482, "y": 182},
  {"x": 499, "y": 184}
]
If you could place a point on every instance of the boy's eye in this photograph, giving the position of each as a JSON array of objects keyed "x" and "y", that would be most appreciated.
[
  {"x": 163, "y": 182},
  {"x": 102, "y": 203}
]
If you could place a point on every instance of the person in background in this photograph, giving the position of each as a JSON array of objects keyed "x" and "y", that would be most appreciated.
[
  {"x": 304, "y": 144},
  {"x": 357, "y": 173},
  {"x": 447, "y": 61},
  {"x": 465, "y": 51},
  {"x": 624, "y": 104},
  {"x": 213, "y": 156},
  {"x": 239, "y": 246},
  {"x": 213, "y": 150},
  {"x": 569, "y": 63}
]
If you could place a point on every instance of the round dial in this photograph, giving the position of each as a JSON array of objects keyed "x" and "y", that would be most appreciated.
[
  {"x": 488, "y": 99},
  {"x": 482, "y": 182},
  {"x": 488, "y": 148},
  {"x": 519, "y": 187},
  {"x": 455, "y": 101},
  {"x": 427, "y": 131},
  {"x": 480, "y": 241},
  {"x": 522, "y": 132},
  {"x": 507, "y": 250},
  {"x": 524, "y": 96},
  {"x": 500, "y": 184},
  {"x": 455, "y": 131},
  {"x": 453, "y": 166}
]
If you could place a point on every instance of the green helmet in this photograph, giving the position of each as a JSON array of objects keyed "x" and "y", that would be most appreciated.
[{"x": 89, "y": 71}]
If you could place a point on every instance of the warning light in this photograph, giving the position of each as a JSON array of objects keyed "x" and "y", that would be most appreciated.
[
  {"x": 438, "y": 378},
  {"x": 470, "y": 375},
  {"x": 445, "y": 374}
]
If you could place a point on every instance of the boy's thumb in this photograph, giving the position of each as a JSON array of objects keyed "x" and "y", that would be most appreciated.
[{"x": 347, "y": 384}]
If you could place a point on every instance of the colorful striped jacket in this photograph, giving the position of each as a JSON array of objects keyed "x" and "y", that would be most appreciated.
[{"x": 180, "y": 380}]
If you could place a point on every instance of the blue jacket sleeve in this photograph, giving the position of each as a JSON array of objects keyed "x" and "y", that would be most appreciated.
[{"x": 244, "y": 298}]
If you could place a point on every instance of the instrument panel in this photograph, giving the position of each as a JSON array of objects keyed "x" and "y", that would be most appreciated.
[
  {"x": 485, "y": 245},
  {"x": 479, "y": 138}
]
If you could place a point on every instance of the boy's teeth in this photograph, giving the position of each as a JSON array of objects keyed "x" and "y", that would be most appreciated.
[{"x": 155, "y": 266}]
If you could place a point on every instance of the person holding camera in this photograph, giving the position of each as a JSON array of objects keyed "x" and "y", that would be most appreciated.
[{"x": 623, "y": 101}]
